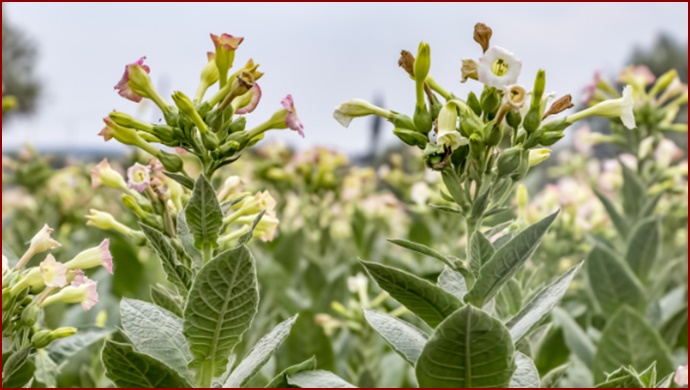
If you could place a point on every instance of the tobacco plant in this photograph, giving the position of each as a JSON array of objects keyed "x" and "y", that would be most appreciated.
[
  {"x": 190, "y": 335},
  {"x": 483, "y": 312}
]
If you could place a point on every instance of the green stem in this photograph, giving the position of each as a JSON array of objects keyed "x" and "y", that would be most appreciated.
[
  {"x": 208, "y": 253},
  {"x": 205, "y": 374}
]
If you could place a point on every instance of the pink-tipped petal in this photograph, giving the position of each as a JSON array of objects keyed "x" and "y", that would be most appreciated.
[
  {"x": 292, "y": 121},
  {"x": 122, "y": 86},
  {"x": 226, "y": 41},
  {"x": 256, "y": 97},
  {"x": 138, "y": 177},
  {"x": 54, "y": 273},
  {"x": 107, "y": 256}
]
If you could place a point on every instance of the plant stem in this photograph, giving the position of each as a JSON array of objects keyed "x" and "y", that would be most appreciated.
[
  {"x": 208, "y": 252},
  {"x": 205, "y": 374}
]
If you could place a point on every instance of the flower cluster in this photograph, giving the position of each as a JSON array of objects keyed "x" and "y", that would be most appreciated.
[{"x": 28, "y": 290}]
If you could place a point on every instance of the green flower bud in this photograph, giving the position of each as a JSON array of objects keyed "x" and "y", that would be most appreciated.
[
  {"x": 41, "y": 339},
  {"x": 470, "y": 123},
  {"x": 473, "y": 103},
  {"x": 402, "y": 121},
  {"x": 513, "y": 118},
  {"x": 523, "y": 167},
  {"x": 423, "y": 62},
  {"x": 509, "y": 161},
  {"x": 493, "y": 134},
  {"x": 126, "y": 120},
  {"x": 30, "y": 315},
  {"x": 537, "y": 156},
  {"x": 532, "y": 120},
  {"x": 64, "y": 332},
  {"x": 490, "y": 101},
  {"x": 556, "y": 126},
  {"x": 412, "y": 138},
  {"x": 166, "y": 134},
  {"x": 171, "y": 162},
  {"x": 548, "y": 139},
  {"x": 663, "y": 81},
  {"x": 460, "y": 155},
  {"x": 538, "y": 91},
  {"x": 422, "y": 120},
  {"x": 477, "y": 147}
]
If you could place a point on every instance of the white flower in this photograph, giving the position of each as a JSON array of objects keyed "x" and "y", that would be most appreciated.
[
  {"x": 447, "y": 134},
  {"x": 54, "y": 273},
  {"x": 498, "y": 68},
  {"x": 420, "y": 192},
  {"x": 354, "y": 108},
  {"x": 613, "y": 108},
  {"x": 681, "y": 377},
  {"x": 103, "y": 174},
  {"x": 357, "y": 283}
]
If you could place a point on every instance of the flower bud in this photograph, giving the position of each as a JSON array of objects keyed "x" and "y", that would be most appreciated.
[
  {"x": 225, "y": 45},
  {"x": 509, "y": 161},
  {"x": 537, "y": 156},
  {"x": 513, "y": 118},
  {"x": 555, "y": 126},
  {"x": 126, "y": 120},
  {"x": 30, "y": 315},
  {"x": 482, "y": 35},
  {"x": 210, "y": 74},
  {"x": 411, "y": 137},
  {"x": 539, "y": 87},
  {"x": 477, "y": 147},
  {"x": 523, "y": 167},
  {"x": 532, "y": 120},
  {"x": 356, "y": 108},
  {"x": 172, "y": 162},
  {"x": 473, "y": 103},
  {"x": 93, "y": 257},
  {"x": 401, "y": 121},
  {"x": 41, "y": 339},
  {"x": 422, "y": 119},
  {"x": 550, "y": 138},
  {"x": 64, "y": 332},
  {"x": 493, "y": 134},
  {"x": 490, "y": 100},
  {"x": 423, "y": 62},
  {"x": 663, "y": 81}
]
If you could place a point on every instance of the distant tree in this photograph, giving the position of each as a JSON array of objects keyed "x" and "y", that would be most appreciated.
[{"x": 18, "y": 65}]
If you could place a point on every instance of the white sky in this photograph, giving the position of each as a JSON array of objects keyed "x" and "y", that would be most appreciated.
[{"x": 321, "y": 53}]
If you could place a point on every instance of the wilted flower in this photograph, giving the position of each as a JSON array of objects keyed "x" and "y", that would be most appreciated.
[
  {"x": 621, "y": 108},
  {"x": 681, "y": 377},
  {"x": 93, "y": 257},
  {"x": 103, "y": 174},
  {"x": 82, "y": 290},
  {"x": 138, "y": 177},
  {"x": 469, "y": 70},
  {"x": 253, "y": 96},
  {"x": 291, "y": 120},
  {"x": 514, "y": 96},
  {"x": 498, "y": 68},
  {"x": 54, "y": 273},
  {"x": 123, "y": 87},
  {"x": 355, "y": 108}
]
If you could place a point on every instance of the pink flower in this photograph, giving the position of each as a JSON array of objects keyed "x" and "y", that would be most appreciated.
[
  {"x": 87, "y": 290},
  {"x": 255, "y": 92},
  {"x": 638, "y": 76},
  {"x": 591, "y": 88},
  {"x": 138, "y": 177},
  {"x": 54, "y": 273},
  {"x": 107, "y": 132},
  {"x": 93, "y": 257},
  {"x": 123, "y": 88},
  {"x": 103, "y": 174},
  {"x": 291, "y": 120},
  {"x": 667, "y": 152},
  {"x": 226, "y": 41},
  {"x": 681, "y": 377}
]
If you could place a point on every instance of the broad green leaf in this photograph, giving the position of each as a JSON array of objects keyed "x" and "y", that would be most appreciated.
[
  {"x": 307, "y": 339},
  {"x": 156, "y": 332},
  {"x": 507, "y": 261},
  {"x": 675, "y": 327},
  {"x": 480, "y": 251},
  {"x": 650, "y": 205},
  {"x": 187, "y": 239},
  {"x": 526, "y": 374},
  {"x": 575, "y": 338},
  {"x": 617, "y": 219},
  {"x": 612, "y": 282},
  {"x": 281, "y": 380},
  {"x": 453, "y": 282},
  {"x": 318, "y": 379},
  {"x": 429, "y": 302},
  {"x": 634, "y": 192},
  {"x": 47, "y": 370},
  {"x": 404, "y": 338},
  {"x": 552, "y": 378},
  {"x": 203, "y": 214},
  {"x": 62, "y": 349},
  {"x": 18, "y": 369},
  {"x": 509, "y": 299},
  {"x": 167, "y": 300},
  {"x": 176, "y": 273},
  {"x": 419, "y": 248},
  {"x": 644, "y": 247},
  {"x": 541, "y": 305},
  {"x": 628, "y": 340},
  {"x": 221, "y": 305},
  {"x": 469, "y": 349},
  {"x": 259, "y": 355},
  {"x": 128, "y": 368}
]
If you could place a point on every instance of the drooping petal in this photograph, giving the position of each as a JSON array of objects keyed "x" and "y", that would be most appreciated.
[
  {"x": 291, "y": 120},
  {"x": 255, "y": 98},
  {"x": 123, "y": 88}
]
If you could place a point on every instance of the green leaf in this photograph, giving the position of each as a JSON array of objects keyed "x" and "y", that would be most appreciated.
[
  {"x": 18, "y": 369},
  {"x": 628, "y": 340},
  {"x": 575, "y": 338},
  {"x": 617, "y": 219},
  {"x": 221, "y": 306},
  {"x": 541, "y": 305},
  {"x": 259, "y": 355},
  {"x": 666, "y": 382},
  {"x": 204, "y": 216},
  {"x": 509, "y": 299},
  {"x": 644, "y": 247},
  {"x": 156, "y": 332},
  {"x": 307, "y": 340},
  {"x": 281, "y": 380},
  {"x": 47, "y": 370},
  {"x": 404, "y": 338},
  {"x": 176, "y": 273},
  {"x": 648, "y": 376},
  {"x": 480, "y": 252},
  {"x": 62, "y": 349},
  {"x": 243, "y": 239},
  {"x": 419, "y": 248},
  {"x": 453, "y": 282},
  {"x": 187, "y": 239},
  {"x": 613, "y": 283},
  {"x": 650, "y": 205},
  {"x": 506, "y": 262},
  {"x": 634, "y": 192},
  {"x": 167, "y": 300},
  {"x": 184, "y": 180},
  {"x": 128, "y": 368},
  {"x": 318, "y": 379},
  {"x": 431, "y": 303},
  {"x": 526, "y": 374},
  {"x": 469, "y": 349},
  {"x": 622, "y": 378},
  {"x": 552, "y": 378}
]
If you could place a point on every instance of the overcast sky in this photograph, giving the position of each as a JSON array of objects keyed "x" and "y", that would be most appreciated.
[{"x": 322, "y": 54}]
